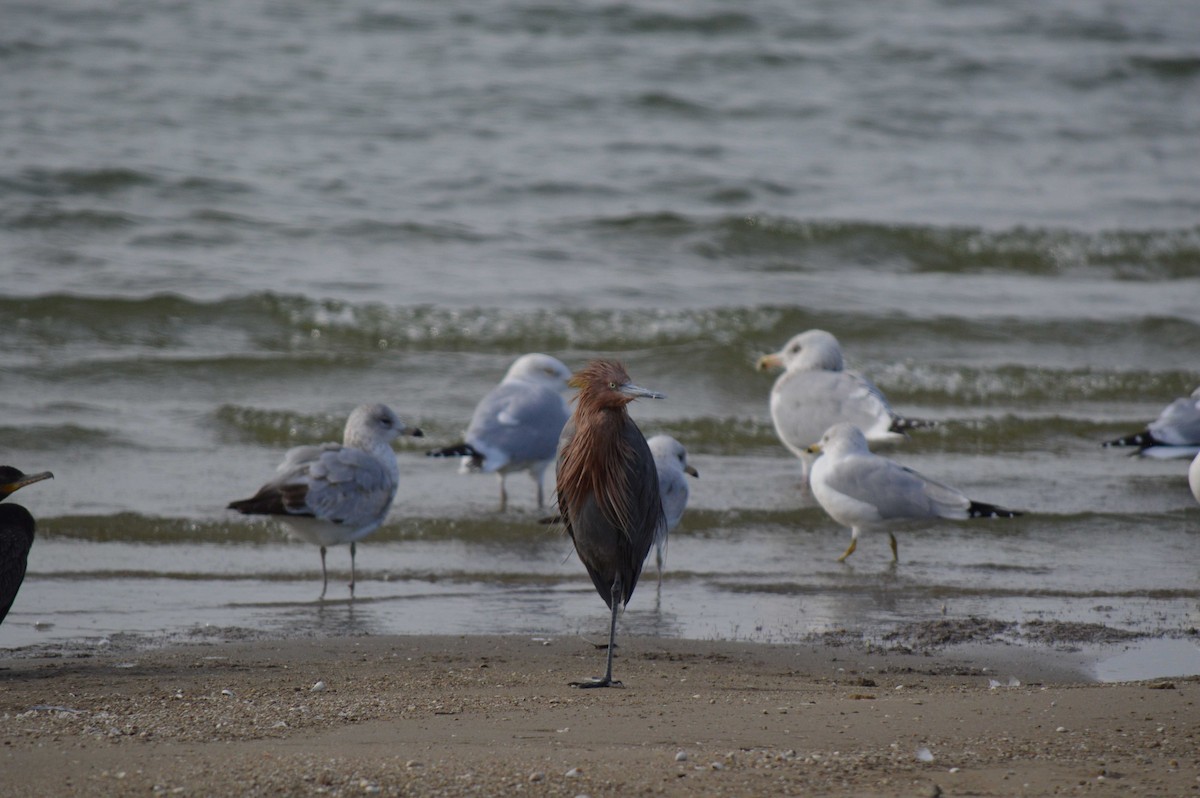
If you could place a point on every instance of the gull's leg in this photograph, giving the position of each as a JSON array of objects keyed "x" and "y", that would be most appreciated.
[
  {"x": 503, "y": 494},
  {"x": 352, "y": 580},
  {"x": 540, "y": 494},
  {"x": 324, "y": 575},
  {"x": 806, "y": 461},
  {"x": 607, "y": 680},
  {"x": 658, "y": 559},
  {"x": 850, "y": 549},
  {"x": 892, "y": 543}
]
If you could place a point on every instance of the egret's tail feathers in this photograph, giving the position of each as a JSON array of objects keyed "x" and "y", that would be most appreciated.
[{"x": 984, "y": 510}]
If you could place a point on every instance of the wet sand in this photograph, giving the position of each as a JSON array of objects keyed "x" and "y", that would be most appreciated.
[{"x": 494, "y": 715}]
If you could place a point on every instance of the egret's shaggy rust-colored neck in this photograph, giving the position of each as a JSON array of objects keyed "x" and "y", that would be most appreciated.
[{"x": 595, "y": 463}]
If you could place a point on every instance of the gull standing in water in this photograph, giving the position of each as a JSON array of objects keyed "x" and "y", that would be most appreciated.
[
  {"x": 670, "y": 459},
  {"x": 815, "y": 392},
  {"x": 1194, "y": 477},
  {"x": 516, "y": 425},
  {"x": 1175, "y": 433},
  {"x": 336, "y": 492},
  {"x": 16, "y": 534},
  {"x": 865, "y": 491},
  {"x": 608, "y": 489}
]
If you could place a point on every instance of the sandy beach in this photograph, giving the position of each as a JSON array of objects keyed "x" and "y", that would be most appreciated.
[{"x": 495, "y": 716}]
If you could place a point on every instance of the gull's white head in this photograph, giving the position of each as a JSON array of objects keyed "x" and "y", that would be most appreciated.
[
  {"x": 667, "y": 450},
  {"x": 841, "y": 438},
  {"x": 369, "y": 425},
  {"x": 812, "y": 350},
  {"x": 539, "y": 369}
]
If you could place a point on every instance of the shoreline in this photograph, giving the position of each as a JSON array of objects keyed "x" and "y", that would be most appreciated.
[{"x": 430, "y": 715}]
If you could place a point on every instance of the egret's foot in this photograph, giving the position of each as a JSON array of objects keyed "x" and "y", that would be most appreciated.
[{"x": 605, "y": 682}]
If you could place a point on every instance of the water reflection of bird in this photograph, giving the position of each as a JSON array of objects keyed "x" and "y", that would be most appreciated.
[
  {"x": 516, "y": 426},
  {"x": 815, "y": 392},
  {"x": 608, "y": 493},
  {"x": 336, "y": 492},
  {"x": 670, "y": 460},
  {"x": 865, "y": 491},
  {"x": 1175, "y": 433},
  {"x": 16, "y": 534}
]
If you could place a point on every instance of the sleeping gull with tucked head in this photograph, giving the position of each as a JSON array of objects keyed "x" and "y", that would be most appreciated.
[
  {"x": 865, "y": 491},
  {"x": 336, "y": 493},
  {"x": 516, "y": 425},
  {"x": 815, "y": 392}
]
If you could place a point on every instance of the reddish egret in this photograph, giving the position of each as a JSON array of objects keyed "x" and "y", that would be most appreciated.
[
  {"x": 16, "y": 534},
  {"x": 1175, "y": 433},
  {"x": 516, "y": 426},
  {"x": 336, "y": 492},
  {"x": 608, "y": 489},
  {"x": 865, "y": 491},
  {"x": 814, "y": 393},
  {"x": 670, "y": 460}
]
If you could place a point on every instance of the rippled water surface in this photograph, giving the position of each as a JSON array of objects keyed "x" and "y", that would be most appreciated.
[{"x": 222, "y": 225}]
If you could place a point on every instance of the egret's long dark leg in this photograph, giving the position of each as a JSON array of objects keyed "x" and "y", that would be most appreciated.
[
  {"x": 503, "y": 494},
  {"x": 607, "y": 680},
  {"x": 352, "y": 580},
  {"x": 324, "y": 574},
  {"x": 892, "y": 543}
]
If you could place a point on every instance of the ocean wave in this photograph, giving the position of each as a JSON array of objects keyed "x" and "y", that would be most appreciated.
[
  {"x": 56, "y": 437},
  {"x": 263, "y": 325},
  {"x": 286, "y": 428},
  {"x": 52, "y": 217},
  {"x": 105, "y": 181},
  {"x": 768, "y": 242}
]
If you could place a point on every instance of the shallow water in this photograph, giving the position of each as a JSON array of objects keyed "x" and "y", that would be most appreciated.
[{"x": 223, "y": 226}]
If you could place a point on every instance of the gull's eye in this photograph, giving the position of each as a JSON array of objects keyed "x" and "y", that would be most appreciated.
[
  {"x": 795, "y": 349},
  {"x": 612, "y": 386}
]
